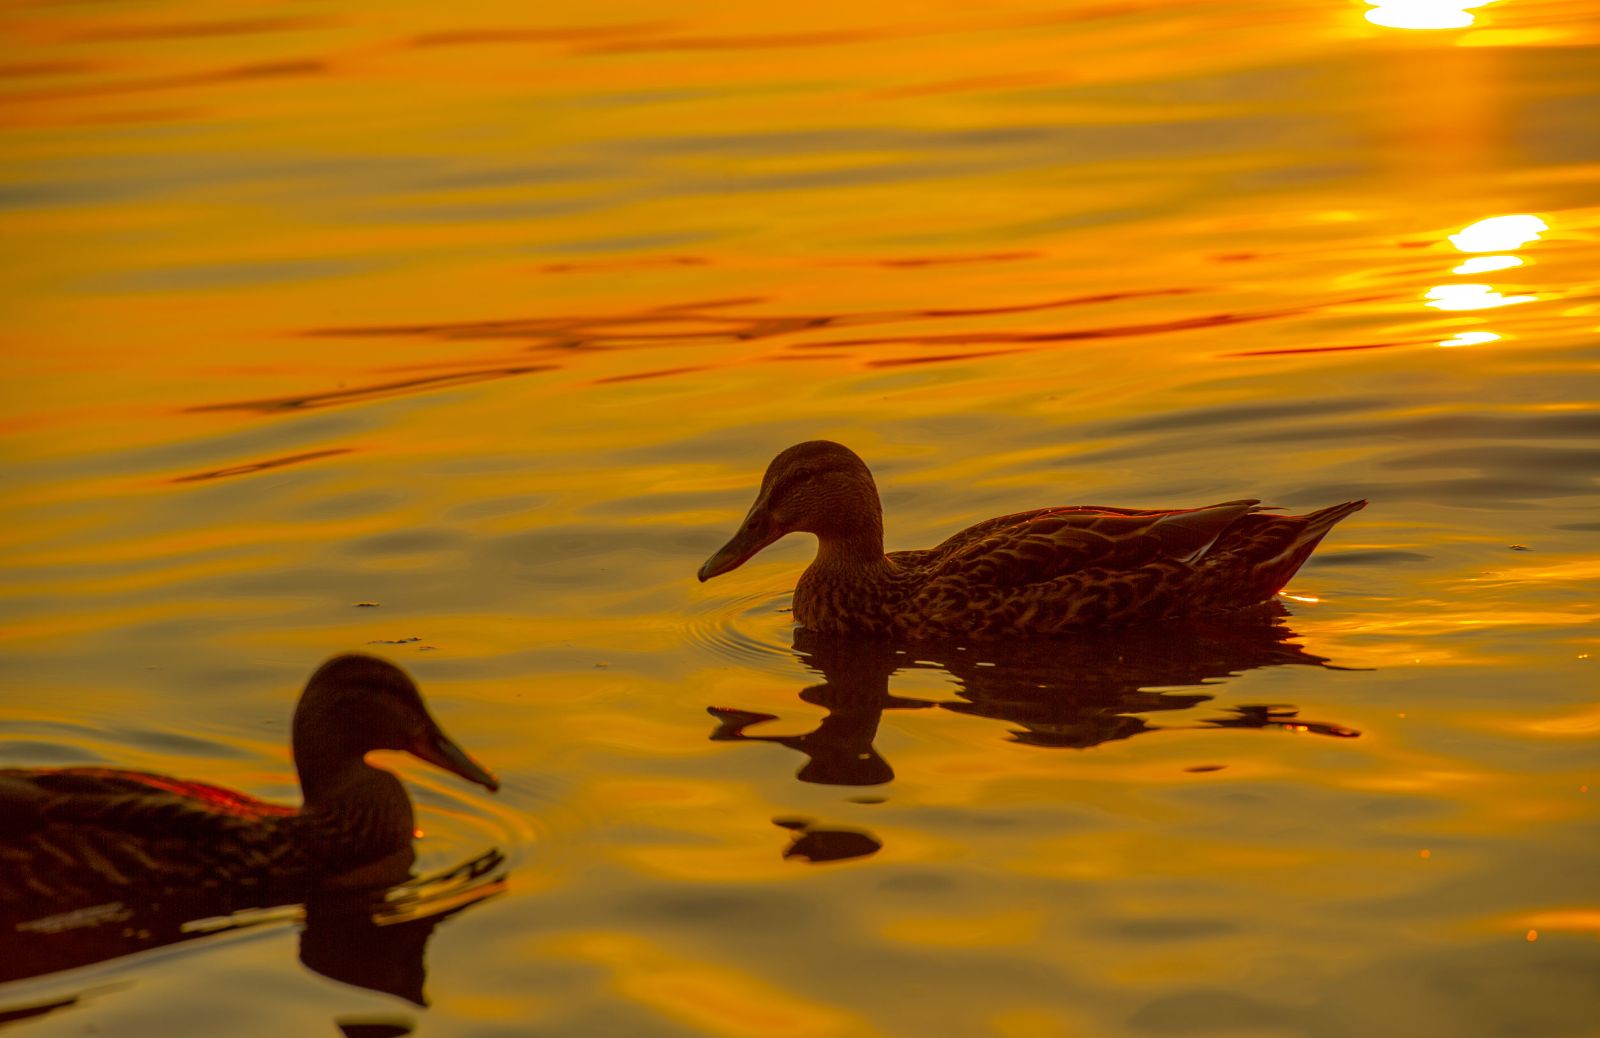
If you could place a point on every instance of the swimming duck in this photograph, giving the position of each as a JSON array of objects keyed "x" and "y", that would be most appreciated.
[
  {"x": 71, "y": 833},
  {"x": 1041, "y": 572}
]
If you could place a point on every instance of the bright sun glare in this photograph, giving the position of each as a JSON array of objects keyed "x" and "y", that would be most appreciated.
[
  {"x": 1499, "y": 233},
  {"x": 1469, "y": 339},
  {"x": 1471, "y": 297},
  {"x": 1495, "y": 234},
  {"x": 1422, "y": 14},
  {"x": 1487, "y": 264}
]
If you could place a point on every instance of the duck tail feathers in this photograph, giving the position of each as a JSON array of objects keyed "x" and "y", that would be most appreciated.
[
  {"x": 1318, "y": 523},
  {"x": 1191, "y": 533},
  {"x": 1315, "y": 526}
]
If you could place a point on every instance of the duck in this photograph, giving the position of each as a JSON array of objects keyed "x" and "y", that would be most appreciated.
[
  {"x": 1044, "y": 572},
  {"x": 86, "y": 834}
]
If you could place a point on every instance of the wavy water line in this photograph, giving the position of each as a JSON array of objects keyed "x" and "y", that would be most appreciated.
[
  {"x": 330, "y": 398},
  {"x": 248, "y": 468},
  {"x": 741, "y": 630}
]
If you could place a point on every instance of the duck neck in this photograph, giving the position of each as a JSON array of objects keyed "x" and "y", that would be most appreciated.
[
  {"x": 857, "y": 552},
  {"x": 850, "y": 532},
  {"x": 356, "y": 823},
  {"x": 325, "y": 762}
]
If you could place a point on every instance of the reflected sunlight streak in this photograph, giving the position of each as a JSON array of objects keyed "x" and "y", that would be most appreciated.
[
  {"x": 1494, "y": 234},
  {"x": 1471, "y": 297},
  {"x": 1486, "y": 264},
  {"x": 1572, "y": 920},
  {"x": 1423, "y": 14},
  {"x": 1469, "y": 339},
  {"x": 1499, "y": 233}
]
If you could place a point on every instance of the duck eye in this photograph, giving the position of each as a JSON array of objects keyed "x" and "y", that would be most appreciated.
[{"x": 801, "y": 475}]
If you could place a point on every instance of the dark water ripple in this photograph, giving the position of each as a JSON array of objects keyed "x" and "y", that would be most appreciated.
[{"x": 751, "y": 630}]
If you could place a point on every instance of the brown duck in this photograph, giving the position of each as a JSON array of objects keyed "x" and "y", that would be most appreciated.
[
  {"x": 1034, "y": 573},
  {"x": 74, "y": 833}
]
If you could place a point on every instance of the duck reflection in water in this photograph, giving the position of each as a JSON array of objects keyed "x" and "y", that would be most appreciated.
[
  {"x": 100, "y": 863},
  {"x": 378, "y": 943},
  {"x": 375, "y": 940},
  {"x": 1072, "y": 693}
]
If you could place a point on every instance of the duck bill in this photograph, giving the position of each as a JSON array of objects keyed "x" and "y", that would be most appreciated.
[
  {"x": 437, "y": 749},
  {"x": 756, "y": 532}
]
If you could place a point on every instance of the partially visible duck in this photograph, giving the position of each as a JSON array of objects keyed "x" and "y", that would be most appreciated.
[
  {"x": 1042, "y": 572},
  {"x": 74, "y": 833}
]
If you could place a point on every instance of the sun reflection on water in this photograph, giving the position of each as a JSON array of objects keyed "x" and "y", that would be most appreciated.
[
  {"x": 1469, "y": 339},
  {"x": 1423, "y": 14},
  {"x": 1494, "y": 234},
  {"x": 1471, "y": 297},
  {"x": 1499, "y": 233},
  {"x": 1486, "y": 264}
]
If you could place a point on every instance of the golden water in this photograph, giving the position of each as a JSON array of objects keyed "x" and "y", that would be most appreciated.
[{"x": 492, "y": 315}]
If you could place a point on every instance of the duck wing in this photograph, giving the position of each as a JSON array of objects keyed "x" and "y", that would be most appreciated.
[
  {"x": 135, "y": 803},
  {"x": 1034, "y": 547},
  {"x": 977, "y": 532},
  {"x": 75, "y": 833}
]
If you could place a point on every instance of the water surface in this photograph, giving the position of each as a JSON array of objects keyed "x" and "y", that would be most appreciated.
[{"x": 490, "y": 317}]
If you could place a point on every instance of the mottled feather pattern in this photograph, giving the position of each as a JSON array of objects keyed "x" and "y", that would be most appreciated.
[
  {"x": 1053, "y": 570},
  {"x": 168, "y": 842},
  {"x": 1041, "y": 572}
]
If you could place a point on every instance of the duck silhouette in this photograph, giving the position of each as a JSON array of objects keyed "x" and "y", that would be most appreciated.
[
  {"x": 1043, "y": 572},
  {"x": 87, "y": 851}
]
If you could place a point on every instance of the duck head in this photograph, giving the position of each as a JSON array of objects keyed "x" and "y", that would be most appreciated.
[
  {"x": 354, "y": 704},
  {"x": 815, "y": 487}
]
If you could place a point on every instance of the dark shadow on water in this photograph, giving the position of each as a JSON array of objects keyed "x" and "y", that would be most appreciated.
[
  {"x": 311, "y": 401},
  {"x": 718, "y": 320},
  {"x": 34, "y": 1010},
  {"x": 557, "y": 339},
  {"x": 818, "y": 845},
  {"x": 196, "y": 29},
  {"x": 250, "y": 468},
  {"x": 183, "y": 81},
  {"x": 373, "y": 1029},
  {"x": 370, "y": 939},
  {"x": 1070, "y": 694}
]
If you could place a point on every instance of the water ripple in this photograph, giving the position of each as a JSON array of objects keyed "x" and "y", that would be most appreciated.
[{"x": 751, "y": 630}]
